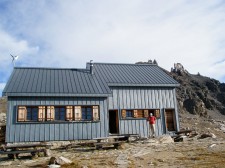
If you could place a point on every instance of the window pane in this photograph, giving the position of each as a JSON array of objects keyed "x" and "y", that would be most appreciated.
[
  {"x": 32, "y": 113},
  {"x": 28, "y": 113},
  {"x": 89, "y": 117},
  {"x": 62, "y": 116},
  {"x": 35, "y": 114},
  {"x": 129, "y": 113},
  {"x": 87, "y": 113},
  {"x": 60, "y": 113}
]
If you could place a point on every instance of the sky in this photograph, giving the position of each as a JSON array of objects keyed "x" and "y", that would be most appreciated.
[{"x": 69, "y": 33}]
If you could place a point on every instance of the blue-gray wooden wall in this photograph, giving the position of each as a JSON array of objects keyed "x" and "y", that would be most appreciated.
[
  {"x": 143, "y": 98},
  {"x": 37, "y": 131}
]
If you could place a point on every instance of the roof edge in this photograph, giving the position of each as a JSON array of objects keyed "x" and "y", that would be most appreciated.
[
  {"x": 148, "y": 85},
  {"x": 56, "y": 94}
]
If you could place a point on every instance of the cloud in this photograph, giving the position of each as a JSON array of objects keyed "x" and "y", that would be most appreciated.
[
  {"x": 11, "y": 45},
  {"x": 70, "y": 33}
]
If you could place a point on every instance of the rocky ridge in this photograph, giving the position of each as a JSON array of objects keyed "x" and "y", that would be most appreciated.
[{"x": 199, "y": 95}]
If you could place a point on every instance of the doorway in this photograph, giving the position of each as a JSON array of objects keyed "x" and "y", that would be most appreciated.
[
  {"x": 170, "y": 120},
  {"x": 113, "y": 122}
]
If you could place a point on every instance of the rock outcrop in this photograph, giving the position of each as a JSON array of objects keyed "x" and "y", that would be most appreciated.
[{"x": 198, "y": 94}]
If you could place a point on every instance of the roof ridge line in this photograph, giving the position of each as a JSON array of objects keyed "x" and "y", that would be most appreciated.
[
  {"x": 123, "y": 64},
  {"x": 50, "y": 68}
]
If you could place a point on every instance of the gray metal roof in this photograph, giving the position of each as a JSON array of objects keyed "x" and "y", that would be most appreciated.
[
  {"x": 54, "y": 82},
  {"x": 133, "y": 75},
  {"x": 80, "y": 82}
]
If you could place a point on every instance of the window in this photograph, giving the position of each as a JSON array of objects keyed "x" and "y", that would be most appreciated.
[
  {"x": 139, "y": 113},
  {"x": 87, "y": 113},
  {"x": 60, "y": 113},
  {"x": 129, "y": 113},
  {"x": 155, "y": 112},
  {"x": 32, "y": 114},
  {"x": 57, "y": 113}
]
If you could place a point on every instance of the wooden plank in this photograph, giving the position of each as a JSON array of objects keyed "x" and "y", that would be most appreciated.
[
  {"x": 110, "y": 137},
  {"x": 107, "y": 144},
  {"x": 25, "y": 146},
  {"x": 22, "y": 151}
]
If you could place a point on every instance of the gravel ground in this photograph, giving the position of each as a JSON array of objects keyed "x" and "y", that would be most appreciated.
[{"x": 157, "y": 152}]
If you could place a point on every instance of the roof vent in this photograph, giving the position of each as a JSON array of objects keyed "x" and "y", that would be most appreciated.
[{"x": 91, "y": 67}]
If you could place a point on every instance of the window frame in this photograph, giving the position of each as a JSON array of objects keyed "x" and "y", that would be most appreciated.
[
  {"x": 43, "y": 119},
  {"x": 145, "y": 114},
  {"x": 156, "y": 112},
  {"x": 134, "y": 114}
]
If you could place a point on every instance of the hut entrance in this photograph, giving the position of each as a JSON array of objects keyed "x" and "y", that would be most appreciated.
[
  {"x": 170, "y": 120},
  {"x": 113, "y": 122}
]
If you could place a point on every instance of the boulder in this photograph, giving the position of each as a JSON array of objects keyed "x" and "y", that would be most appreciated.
[
  {"x": 206, "y": 135},
  {"x": 165, "y": 139},
  {"x": 210, "y": 146},
  {"x": 52, "y": 160},
  {"x": 62, "y": 160}
]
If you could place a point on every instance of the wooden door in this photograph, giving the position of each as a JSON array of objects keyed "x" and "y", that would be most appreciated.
[
  {"x": 113, "y": 122},
  {"x": 170, "y": 120}
]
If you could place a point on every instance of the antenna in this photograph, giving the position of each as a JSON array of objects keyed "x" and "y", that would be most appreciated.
[{"x": 14, "y": 58}]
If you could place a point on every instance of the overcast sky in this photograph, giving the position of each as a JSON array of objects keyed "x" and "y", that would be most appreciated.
[{"x": 69, "y": 33}]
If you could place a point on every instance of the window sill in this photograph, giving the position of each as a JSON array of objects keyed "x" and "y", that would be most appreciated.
[
  {"x": 132, "y": 118},
  {"x": 56, "y": 122}
]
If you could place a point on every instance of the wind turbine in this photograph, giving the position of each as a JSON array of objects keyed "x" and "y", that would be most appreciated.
[{"x": 14, "y": 58}]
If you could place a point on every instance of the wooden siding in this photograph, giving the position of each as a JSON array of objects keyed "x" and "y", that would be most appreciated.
[
  {"x": 36, "y": 131},
  {"x": 143, "y": 98}
]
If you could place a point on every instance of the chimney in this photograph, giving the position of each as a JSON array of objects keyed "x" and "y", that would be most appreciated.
[{"x": 91, "y": 67}]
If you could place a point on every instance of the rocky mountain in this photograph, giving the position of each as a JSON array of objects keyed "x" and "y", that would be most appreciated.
[
  {"x": 3, "y": 108},
  {"x": 3, "y": 105},
  {"x": 198, "y": 94}
]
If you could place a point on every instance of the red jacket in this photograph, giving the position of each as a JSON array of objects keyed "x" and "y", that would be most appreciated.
[{"x": 151, "y": 119}]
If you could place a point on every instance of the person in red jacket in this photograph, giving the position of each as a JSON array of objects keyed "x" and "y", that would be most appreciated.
[{"x": 151, "y": 120}]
